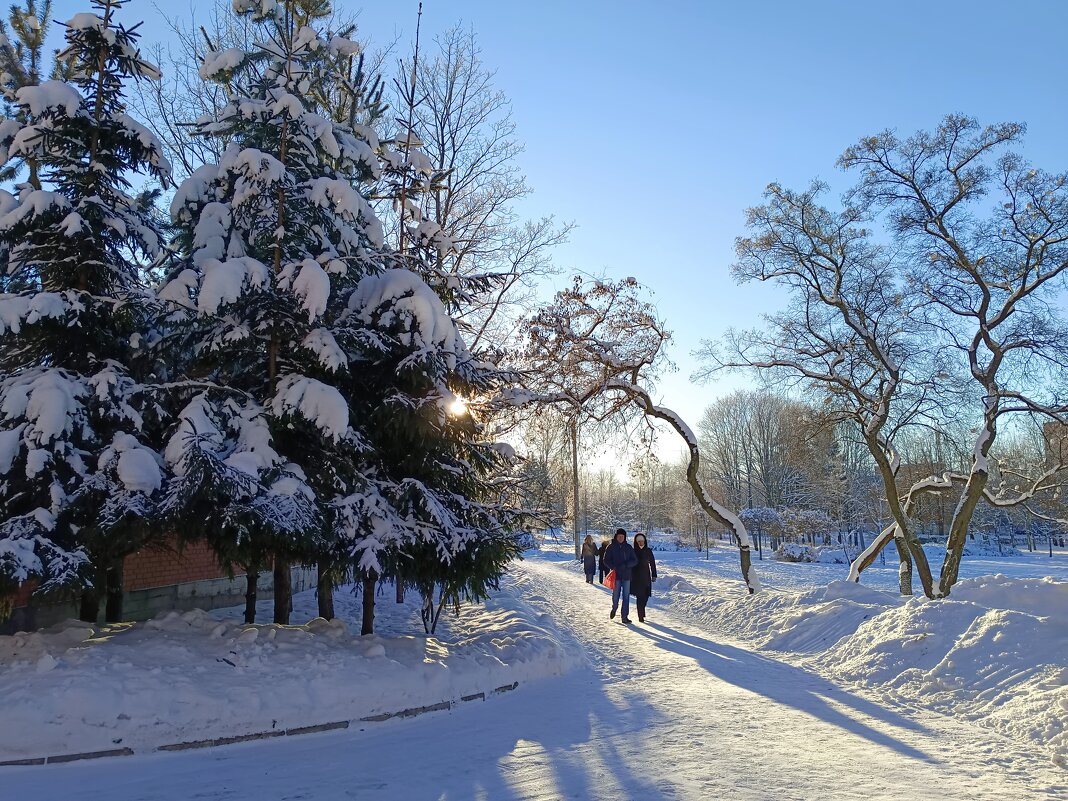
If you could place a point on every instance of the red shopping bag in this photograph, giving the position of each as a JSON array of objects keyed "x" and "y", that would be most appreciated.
[{"x": 610, "y": 580}]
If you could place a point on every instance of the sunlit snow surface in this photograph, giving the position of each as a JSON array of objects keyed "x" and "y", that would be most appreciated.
[{"x": 816, "y": 689}]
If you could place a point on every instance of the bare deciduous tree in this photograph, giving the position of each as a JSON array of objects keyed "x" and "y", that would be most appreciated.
[
  {"x": 469, "y": 136},
  {"x": 846, "y": 337},
  {"x": 989, "y": 276},
  {"x": 884, "y": 332},
  {"x": 597, "y": 349}
]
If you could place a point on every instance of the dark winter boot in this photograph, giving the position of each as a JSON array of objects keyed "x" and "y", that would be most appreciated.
[{"x": 612, "y": 614}]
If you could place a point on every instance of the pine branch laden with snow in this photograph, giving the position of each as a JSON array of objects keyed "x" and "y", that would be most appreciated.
[
  {"x": 444, "y": 489},
  {"x": 79, "y": 476}
]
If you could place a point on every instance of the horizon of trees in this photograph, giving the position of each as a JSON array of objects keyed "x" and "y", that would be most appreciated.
[{"x": 769, "y": 451}]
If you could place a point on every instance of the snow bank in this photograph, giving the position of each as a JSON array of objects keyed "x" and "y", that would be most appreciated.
[
  {"x": 194, "y": 675},
  {"x": 994, "y": 652},
  {"x": 670, "y": 583}
]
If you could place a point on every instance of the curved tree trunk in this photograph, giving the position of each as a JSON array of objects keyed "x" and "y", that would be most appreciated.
[
  {"x": 958, "y": 529},
  {"x": 904, "y": 569},
  {"x": 716, "y": 511},
  {"x": 907, "y": 543}
]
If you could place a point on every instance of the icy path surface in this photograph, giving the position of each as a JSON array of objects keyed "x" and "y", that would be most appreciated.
[{"x": 666, "y": 711}]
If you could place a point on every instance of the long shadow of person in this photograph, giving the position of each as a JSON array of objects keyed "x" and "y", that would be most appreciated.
[{"x": 787, "y": 685}]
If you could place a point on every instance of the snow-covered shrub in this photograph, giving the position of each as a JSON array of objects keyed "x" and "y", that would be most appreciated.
[
  {"x": 826, "y": 554},
  {"x": 793, "y": 552},
  {"x": 802, "y": 525}
]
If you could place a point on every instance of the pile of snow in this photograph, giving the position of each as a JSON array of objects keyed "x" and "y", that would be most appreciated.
[
  {"x": 993, "y": 652},
  {"x": 197, "y": 675},
  {"x": 667, "y": 583}
]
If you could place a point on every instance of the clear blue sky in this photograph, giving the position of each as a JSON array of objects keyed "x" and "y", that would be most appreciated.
[{"x": 653, "y": 126}]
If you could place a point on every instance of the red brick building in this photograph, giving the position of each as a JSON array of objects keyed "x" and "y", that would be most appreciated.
[{"x": 156, "y": 580}]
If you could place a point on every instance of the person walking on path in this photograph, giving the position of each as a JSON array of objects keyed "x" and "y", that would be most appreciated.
[
  {"x": 621, "y": 558},
  {"x": 589, "y": 558},
  {"x": 601, "y": 569},
  {"x": 641, "y": 580}
]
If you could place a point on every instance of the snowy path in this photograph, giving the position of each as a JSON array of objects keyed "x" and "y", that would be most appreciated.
[{"x": 666, "y": 712}]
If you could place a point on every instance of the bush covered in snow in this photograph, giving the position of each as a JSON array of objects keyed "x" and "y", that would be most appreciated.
[{"x": 827, "y": 554}]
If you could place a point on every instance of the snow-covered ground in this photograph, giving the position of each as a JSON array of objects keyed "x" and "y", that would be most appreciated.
[
  {"x": 811, "y": 690},
  {"x": 995, "y": 652},
  {"x": 197, "y": 675}
]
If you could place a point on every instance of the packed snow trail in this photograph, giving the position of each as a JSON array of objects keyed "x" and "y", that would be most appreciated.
[{"x": 666, "y": 712}]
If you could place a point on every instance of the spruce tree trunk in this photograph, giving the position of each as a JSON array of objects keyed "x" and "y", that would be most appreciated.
[
  {"x": 324, "y": 590},
  {"x": 283, "y": 591},
  {"x": 369, "y": 583},
  {"x": 252, "y": 581},
  {"x": 113, "y": 585},
  {"x": 89, "y": 606}
]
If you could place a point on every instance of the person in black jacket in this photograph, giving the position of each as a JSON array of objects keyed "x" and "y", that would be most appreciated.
[
  {"x": 620, "y": 557},
  {"x": 589, "y": 558},
  {"x": 641, "y": 580},
  {"x": 601, "y": 569}
]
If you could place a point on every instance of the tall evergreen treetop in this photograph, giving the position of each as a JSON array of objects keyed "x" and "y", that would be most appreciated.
[
  {"x": 271, "y": 241},
  {"x": 78, "y": 476}
]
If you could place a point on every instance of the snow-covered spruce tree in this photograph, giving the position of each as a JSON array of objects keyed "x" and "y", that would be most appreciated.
[
  {"x": 429, "y": 452},
  {"x": 23, "y": 63},
  {"x": 271, "y": 242},
  {"x": 449, "y": 487},
  {"x": 78, "y": 475}
]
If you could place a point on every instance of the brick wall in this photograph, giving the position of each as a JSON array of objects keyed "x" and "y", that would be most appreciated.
[
  {"x": 154, "y": 567},
  {"x": 158, "y": 567},
  {"x": 22, "y": 595}
]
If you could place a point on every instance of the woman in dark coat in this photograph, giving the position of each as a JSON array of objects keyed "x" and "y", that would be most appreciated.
[
  {"x": 589, "y": 559},
  {"x": 641, "y": 580}
]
